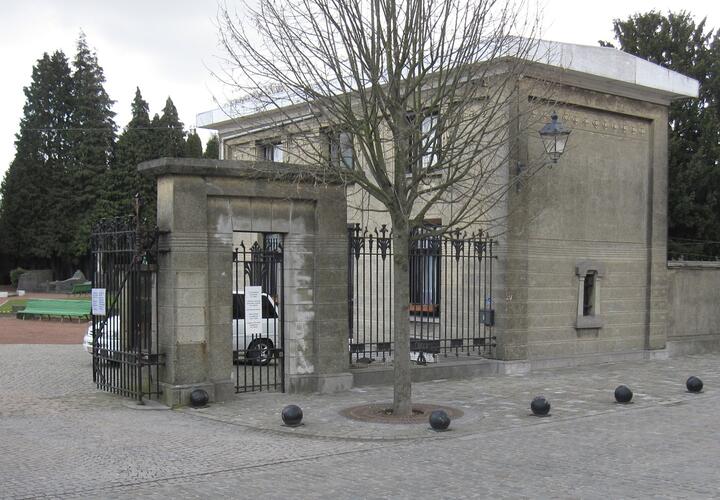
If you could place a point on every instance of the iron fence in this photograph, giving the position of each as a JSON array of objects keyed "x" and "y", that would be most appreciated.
[
  {"x": 124, "y": 338},
  {"x": 450, "y": 311},
  {"x": 258, "y": 333},
  {"x": 686, "y": 249}
]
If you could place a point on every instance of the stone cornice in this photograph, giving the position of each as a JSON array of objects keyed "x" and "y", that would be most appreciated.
[{"x": 239, "y": 168}]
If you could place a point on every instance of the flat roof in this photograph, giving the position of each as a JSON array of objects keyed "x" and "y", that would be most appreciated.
[{"x": 589, "y": 64}]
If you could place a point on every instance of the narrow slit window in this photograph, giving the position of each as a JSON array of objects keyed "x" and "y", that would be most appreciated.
[
  {"x": 589, "y": 294},
  {"x": 590, "y": 275}
]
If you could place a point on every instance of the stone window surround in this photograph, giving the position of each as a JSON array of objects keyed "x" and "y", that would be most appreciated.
[
  {"x": 428, "y": 125},
  {"x": 582, "y": 268},
  {"x": 272, "y": 147},
  {"x": 338, "y": 143}
]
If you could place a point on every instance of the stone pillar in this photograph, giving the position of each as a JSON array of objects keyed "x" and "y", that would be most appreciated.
[
  {"x": 183, "y": 294},
  {"x": 200, "y": 204},
  {"x": 316, "y": 296}
]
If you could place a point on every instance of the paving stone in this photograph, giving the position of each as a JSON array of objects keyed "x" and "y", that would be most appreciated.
[{"x": 61, "y": 438}]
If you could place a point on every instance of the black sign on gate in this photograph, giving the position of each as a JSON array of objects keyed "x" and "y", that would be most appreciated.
[
  {"x": 257, "y": 323},
  {"x": 124, "y": 338}
]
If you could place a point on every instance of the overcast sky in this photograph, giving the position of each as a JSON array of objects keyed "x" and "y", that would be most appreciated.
[{"x": 169, "y": 48}]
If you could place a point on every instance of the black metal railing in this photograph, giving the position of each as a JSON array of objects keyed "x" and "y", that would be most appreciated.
[
  {"x": 258, "y": 333},
  {"x": 686, "y": 249},
  {"x": 124, "y": 338},
  {"x": 450, "y": 310}
]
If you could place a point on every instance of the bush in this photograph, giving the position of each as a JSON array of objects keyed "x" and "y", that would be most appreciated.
[{"x": 15, "y": 275}]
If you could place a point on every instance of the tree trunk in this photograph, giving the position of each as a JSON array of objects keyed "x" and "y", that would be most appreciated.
[{"x": 402, "y": 390}]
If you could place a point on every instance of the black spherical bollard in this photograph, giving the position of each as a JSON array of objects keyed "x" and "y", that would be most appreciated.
[
  {"x": 623, "y": 394},
  {"x": 199, "y": 398},
  {"x": 439, "y": 420},
  {"x": 694, "y": 384},
  {"x": 540, "y": 406},
  {"x": 292, "y": 415}
]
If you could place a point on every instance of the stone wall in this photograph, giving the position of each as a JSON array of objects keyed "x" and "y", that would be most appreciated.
[
  {"x": 35, "y": 280},
  {"x": 693, "y": 319},
  {"x": 604, "y": 205}
]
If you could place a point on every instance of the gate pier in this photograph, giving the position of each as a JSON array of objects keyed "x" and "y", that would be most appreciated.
[{"x": 201, "y": 203}]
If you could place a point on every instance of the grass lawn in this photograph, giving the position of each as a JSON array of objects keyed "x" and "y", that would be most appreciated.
[{"x": 7, "y": 307}]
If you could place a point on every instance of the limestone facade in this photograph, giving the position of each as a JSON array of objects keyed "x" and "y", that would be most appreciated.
[{"x": 581, "y": 274}]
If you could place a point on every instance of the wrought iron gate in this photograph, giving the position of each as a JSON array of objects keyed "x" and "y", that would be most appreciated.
[
  {"x": 451, "y": 310},
  {"x": 258, "y": 332},
  {"x": 124, "y": 345}
]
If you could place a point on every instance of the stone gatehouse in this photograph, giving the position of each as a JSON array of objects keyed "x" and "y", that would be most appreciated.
[{"x": 581, "y": 273}]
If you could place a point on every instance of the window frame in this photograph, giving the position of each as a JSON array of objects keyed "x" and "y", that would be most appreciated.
[
  {"x": 274, "y": 147},
  {"x": 424, "y": 144},
  {"x": 336, "y": 153},
  {"x": 425, "y": 273},
  {"x": 588, "y": 294}
]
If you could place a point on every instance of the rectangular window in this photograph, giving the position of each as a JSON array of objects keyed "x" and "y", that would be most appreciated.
[
  {"x": 589, "y": 294},
  {"x": 272, "y": 241},
  {"x": 424, "y": 143},
  {"x": 429, "y": 140},
  {"x": 425, "y": 254},
  {"x": 589, "y": 276},
  {"x": 270, "y": 151},
  {"x": 341, "y": 152}
]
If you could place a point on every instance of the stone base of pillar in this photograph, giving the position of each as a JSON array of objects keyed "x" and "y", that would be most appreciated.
[
  {"x": 179, "y": 395},
  {"x": 321, "y": 383}
]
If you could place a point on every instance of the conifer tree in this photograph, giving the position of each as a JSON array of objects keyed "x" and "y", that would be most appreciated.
[
  {"x": 145, "y": 139},
  {"x": 157, "y": 135},
  {"x": 136, "y": 144},
  {"x": 212, "y": 148},
  {"x": 193, "y": 145},
  {"x": 32, "y": 223},
  {"x": 93, "y": 140},
  {"x": 171, "y": 134}
]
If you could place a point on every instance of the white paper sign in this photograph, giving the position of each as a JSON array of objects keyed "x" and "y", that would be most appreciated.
[
  {"x": 98, "y": 301},
  {"x": 253, "y": 310}
]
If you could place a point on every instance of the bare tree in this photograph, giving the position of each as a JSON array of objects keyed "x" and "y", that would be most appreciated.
[{"x": 426, "y": 89}]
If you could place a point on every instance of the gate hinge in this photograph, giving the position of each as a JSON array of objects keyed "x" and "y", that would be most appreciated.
[{"x": 152, "y": 359}]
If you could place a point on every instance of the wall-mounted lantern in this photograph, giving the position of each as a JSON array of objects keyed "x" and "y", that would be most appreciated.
[{"x": 554, "y": 136}]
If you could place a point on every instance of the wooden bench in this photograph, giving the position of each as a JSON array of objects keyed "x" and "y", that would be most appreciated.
[{"x": 55, "y": 309}]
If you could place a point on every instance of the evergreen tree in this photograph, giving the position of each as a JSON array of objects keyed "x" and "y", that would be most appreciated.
[
  {"x": 32, "y": 222},
  {"x": 157, "y": 136},
  {"x": 193, "y": 145},
  {"x": 171, "y": 134},
  {"x": 136, "y": 144},
  {"x": 93, "y": 140},
  {"x": 212, "y": 148},
  {"x": 144, "y": 139},
  {"x": 676, "y": 42}
]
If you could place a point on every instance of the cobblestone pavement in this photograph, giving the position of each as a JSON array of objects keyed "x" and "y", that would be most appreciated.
[{"x": 59, "y": 437}]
